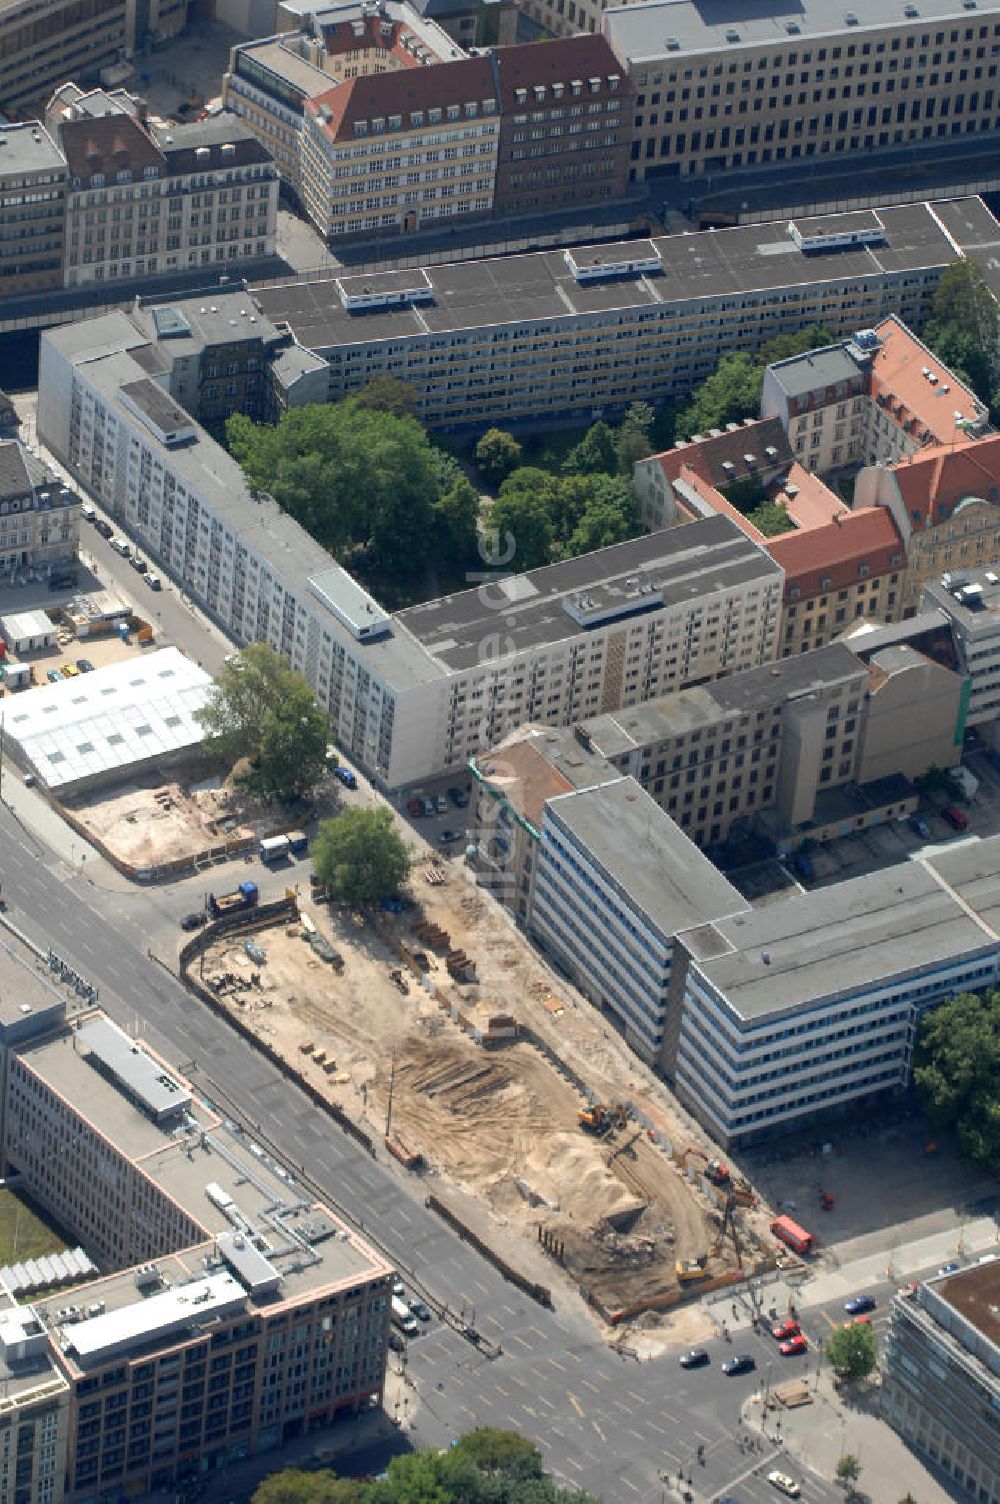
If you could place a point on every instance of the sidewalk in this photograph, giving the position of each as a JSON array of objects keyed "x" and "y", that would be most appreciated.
[{"x": 833, "y": 1426}]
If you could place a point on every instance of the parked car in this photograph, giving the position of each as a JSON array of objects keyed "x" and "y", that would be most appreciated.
[
  {"x": 137, "y": 562},
  {"x": 193, "y": 921},
  {"x": 346, "y": 777},
  {"x": 859, "y": 1321},
  {"x": 415, "y": 807},
  {"x": 420, "y": 1311},
  {"x": 802, "y": 865},
  {"x": 69, "y": 671},
  {"x": 85, "y": 666},
  {"x": 153, "y": 581},
  {"x": 739, "y": 1363},
  {"x": 796, "y": 1344},
  {"x": 398, "y": 1288},
  {"x": 53, "y": 675},
  {"x": 120, "y": 546},
  {"x": 785, "y": 1330},
  {"x": 858, "y": 1304},
  {"x": 441, "y": 804},
  {"x": 104, "y": 528},
  {"x": 920, "y": 828},
  {"x": 88, "y": 513},
  {"x": 396, "y": 1343},
  {"x": 908, "y": 1291},
  {"x": 784, "y": 1484},
  {"x": 30, "y": 780},
  {"x": 950, "y": 1268},
  {"x": 447, "y": 837},
  {"x": 458, "y": 797},
  {"x": 430, "y": 808},
  {"x": 697, "y": 1357},
  {"x": 955, "y": 818}
]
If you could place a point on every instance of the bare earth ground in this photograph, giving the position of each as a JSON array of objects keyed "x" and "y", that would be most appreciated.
[
  {"x": 500, "y": 1123},
  {"x": 151, "y": 819}
]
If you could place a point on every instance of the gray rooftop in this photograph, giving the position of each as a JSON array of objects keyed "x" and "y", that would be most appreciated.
[
  {"x": 971, "y": 596},
  {"x": 619, "y": 732},
  {"x": 28, "y": 148},
  {"x": 141, "y": 1077},
  {"x": 654, "y": 867},
  {"x": 812, "y": 948},
  {"x": 680, "y": 564},
  {"x": 815, "y": 370},
  {"x": 190, "y": 323},
  {"x": 279, "y": 56},
  {"x": 539, "y": 287},
  {"x": 641, "y": 31},
  {"x": 972, "y": 870},
  {"x": 29, "y": 994}
]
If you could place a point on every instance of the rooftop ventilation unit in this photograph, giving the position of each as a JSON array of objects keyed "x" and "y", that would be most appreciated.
[
  {"x": 673, "y": 45},
  {"x": 910, "y": 10},
  {"x": 732, "y": 35},
  {"x": 793, "y": 28},
  {"x": 850, "y": 19}
]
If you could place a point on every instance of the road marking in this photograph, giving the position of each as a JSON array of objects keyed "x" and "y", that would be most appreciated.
[
  {"x": 504, "y": 1392},
  {"x": 576, "y": 1405},
  {"x": 555, "y": 1364},
  {"x": 521, "y": 1384},
  {"x": 827, "y": 1317},
  {"x": 575, "y": 1356},
  {"x": 592, "y": 1387},
  {"x": 599, "y": 1432},
  {"x": 654, "y": 1427},
  {"x": 484, "y": 1401},
  {"x": 526, "y": 1345},
  {"x": 546, "y": 1402},
  {"x": 629, "y": 1484}
]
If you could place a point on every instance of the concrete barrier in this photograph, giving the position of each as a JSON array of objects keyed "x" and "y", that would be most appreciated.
[{"x": 541, "y": 1293}]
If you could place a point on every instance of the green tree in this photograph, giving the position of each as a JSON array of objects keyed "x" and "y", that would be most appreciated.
[
  {"x": 291, "y": 755},
  {"x": 639, "y": 418},
  {"x": 262, "y": 710},
  {"x": 387, "y": 394},
  {"x": 729, "y": 395},
  {"x": 957, "y": 1072},
  {"x": 770, "y": 518},
  {"x": 851, "y": 1351},
  {"x": 595, "y": 453},
  {"x": 353, "y": 476},
  {"x": 497, "y": 454},
  {"x": 523, "y": 513},
  {"x": 294, "y": 1486},
  {"x": 848, "y": 1468},
  {"x": 630, "y": 446},
  {"x": 456, "y": 515},
  {"x": 501, "y": 1452},
  {"x": 959, "y": 349},
  {"x": 784, "y": 346},
  {"x": 360, "y": 855},
  {"x": 600, "y": 525},
  {"x": 963, "y": 299}
]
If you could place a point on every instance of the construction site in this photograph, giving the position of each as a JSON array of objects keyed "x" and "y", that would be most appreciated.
[{"x": 435, "y": 1027}]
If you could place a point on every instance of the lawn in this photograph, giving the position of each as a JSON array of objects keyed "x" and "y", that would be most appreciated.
[{"x": 24, "y": 1233}]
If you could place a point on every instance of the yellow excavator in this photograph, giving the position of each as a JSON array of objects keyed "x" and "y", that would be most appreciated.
[{"x": 596, "y": 1117}]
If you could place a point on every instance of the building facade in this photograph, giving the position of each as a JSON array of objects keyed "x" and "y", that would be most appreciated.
[
  {"x": 941, "y": 1375},
  {"x": 750, "y": 91},
  {"x": 32, "y": 210},
  {"x": 39, "y": 517},
  {"x": 970, "y": 600},
  {"x": 564, "y": 126},
  {"x": 580, "y": 333},
  {"x": 147, "y": 201},
  {"x": 234, "y": 1314}
]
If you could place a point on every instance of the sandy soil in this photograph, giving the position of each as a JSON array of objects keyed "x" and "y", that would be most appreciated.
[
  {"x": 151, "y": 819},
  {"x": 499, "y": 1122}
]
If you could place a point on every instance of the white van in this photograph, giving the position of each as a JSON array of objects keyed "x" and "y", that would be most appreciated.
[
  {"x": 120, "y": 546},
  {"x": 87, "y": 512}
]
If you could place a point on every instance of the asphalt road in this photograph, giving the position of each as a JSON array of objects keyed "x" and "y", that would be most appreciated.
[{"x": 602, "y": 1420}]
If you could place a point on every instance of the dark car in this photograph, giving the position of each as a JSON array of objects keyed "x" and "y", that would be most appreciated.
[
  {"x": 414, "y": 807},
  {"x": 858, "y": 1304},
  {"x": 458, "y": 797},
  {"x": 446, "y": 837},
  {"x": 192, "y": 921},
  {"x": 955, "y": 818},
  {"x": 741, "y": 1363},
  {"x": 420, "y": 1311},
  {"x": 85, "y": 666},
  {"x": 396, "y": 1343},
  {"x": 346, "y": 777},
  {"x": 802, "y": 865},
  {"x": 104, "y": 528},
  {"x": 920, "y": 828},
  {"x": 696, "y": 1358},
  {"x": 139, "y": 563}
]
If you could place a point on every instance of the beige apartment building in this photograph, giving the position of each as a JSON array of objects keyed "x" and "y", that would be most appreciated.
[
  {"x": 39, "y": 516},
  {"x": 756, "y": 89},
  {"x": 32, "y": 210}
]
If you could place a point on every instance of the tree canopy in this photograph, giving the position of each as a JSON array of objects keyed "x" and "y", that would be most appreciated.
[
  {"x": 487, "y": 1466},
  {"x": 851, "y": 1351},
  {"x": 963, "y": 329},
  {"x": 360, "y": 855},
  {"x": 387, "y": 394},
  {"x": 957, "y": 1072},
  {"x": 551, "y": 517},
  {"x": 262, "y": 710},
  {"x": 497, "y": 454},
  {"x": 363, "y": 478},
  {"x": 733, "y": 390}
]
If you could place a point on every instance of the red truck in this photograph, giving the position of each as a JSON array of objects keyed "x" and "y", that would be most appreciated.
[{"x": 791, "y": 1233}]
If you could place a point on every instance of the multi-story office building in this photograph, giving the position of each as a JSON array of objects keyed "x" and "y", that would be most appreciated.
[
  {"x": 945, "y": 502},
  {"x": 391, "y": 152},
  {"x": 564, "y": 128},
  {"x": 578, "y": 333},
  {"x": 32, "y": 210},
  {"x": 783, "y": 1014},
  {"x": 564, "y": 18},
  {"x": 941, "y": 1375},
  {"x": 715, "y": 92},
  {"x": 148, "y": 200},
  {"x": 877, "y": 397},
  {"x": 970, "y": 600},
  {"x": 614, "y": 882},
  {"x": 415, "y": 693},
  {"x": 236, "y": 1312},
  {"x": 34, "y": 1410},
  {"x": 39, "y": 516}
]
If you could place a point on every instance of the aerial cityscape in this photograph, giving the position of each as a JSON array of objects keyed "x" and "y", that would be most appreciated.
[{"x": 500, "y": 751}]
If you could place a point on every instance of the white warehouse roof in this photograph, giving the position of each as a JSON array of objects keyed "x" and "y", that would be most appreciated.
[{"x": 118, "y": 715}]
